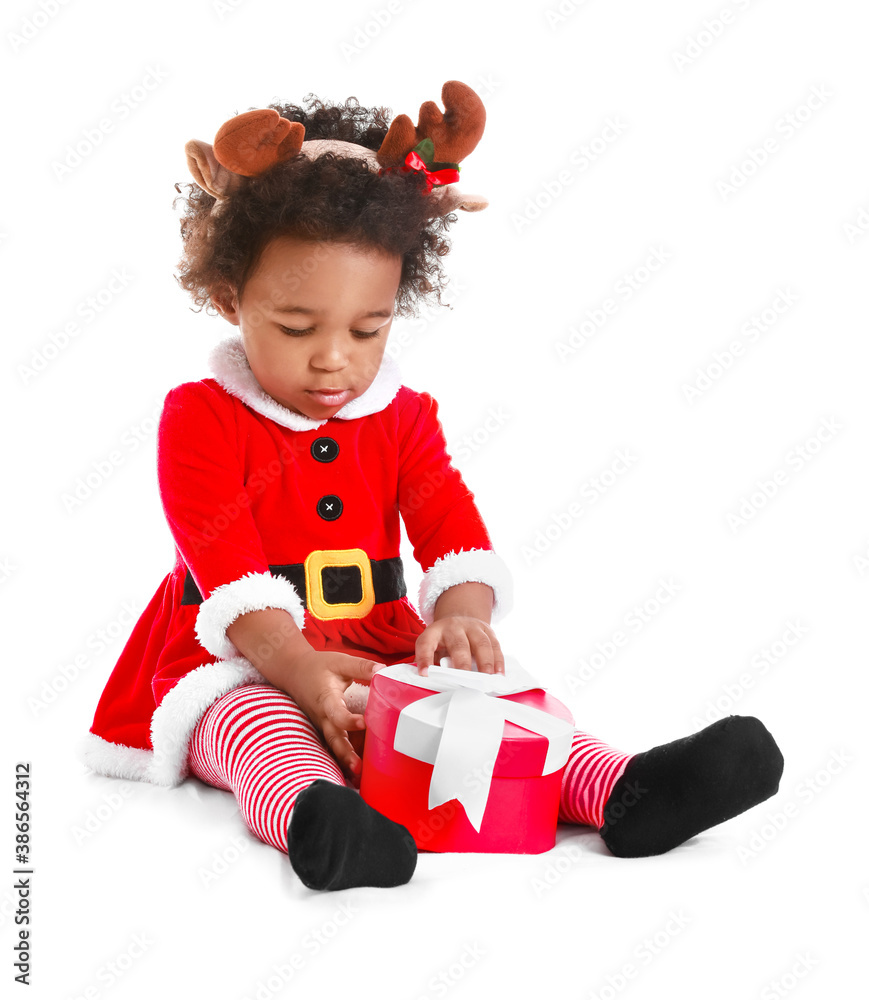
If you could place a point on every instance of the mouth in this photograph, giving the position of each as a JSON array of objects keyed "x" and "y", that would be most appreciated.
[{"x": 329, "y": 396}]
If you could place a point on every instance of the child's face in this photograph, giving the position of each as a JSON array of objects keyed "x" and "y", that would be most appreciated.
[{"x": 342, "y": 298}]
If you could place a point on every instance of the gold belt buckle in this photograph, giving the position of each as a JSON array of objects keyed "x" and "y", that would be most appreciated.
[{"x": 321, "y": 559}]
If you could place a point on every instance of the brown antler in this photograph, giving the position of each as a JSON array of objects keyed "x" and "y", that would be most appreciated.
[
  {"x": 252, "y": 142},
  {"x": 455, "y": 134}
]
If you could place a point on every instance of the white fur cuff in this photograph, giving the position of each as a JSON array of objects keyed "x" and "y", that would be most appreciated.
[
  {"x": 251, "y": 592},
  {"x": 473, "y": 566}
]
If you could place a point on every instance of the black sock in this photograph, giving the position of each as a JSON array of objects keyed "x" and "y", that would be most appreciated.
[
  {"x": 672, "y": 792},
  {"x": 335, "y": 840}
]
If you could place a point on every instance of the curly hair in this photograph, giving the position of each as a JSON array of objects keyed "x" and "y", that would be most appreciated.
[{"x": 330, "y": 198}]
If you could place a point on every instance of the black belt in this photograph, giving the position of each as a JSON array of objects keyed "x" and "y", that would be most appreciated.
[{"x": 341, "y": 584}]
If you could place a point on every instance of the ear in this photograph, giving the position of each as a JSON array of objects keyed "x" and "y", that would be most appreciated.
[
  {"x": 208, "y": 173},
  {"x": 226, "y": 303},
  {"x": 451, "y": 200},
  {"x": 245, "y": 146}
]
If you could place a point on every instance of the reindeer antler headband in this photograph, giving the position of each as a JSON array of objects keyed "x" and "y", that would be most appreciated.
[{"x": 255, "y": 141}]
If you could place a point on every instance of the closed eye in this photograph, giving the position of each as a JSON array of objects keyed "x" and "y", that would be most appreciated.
[{"x": 361, "y": 334}]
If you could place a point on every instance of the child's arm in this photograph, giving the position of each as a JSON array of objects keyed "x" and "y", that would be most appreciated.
[
  {"x": 466, "y": 585},
  {"x": 461, "y": 630},
  {"x": 315, "y": 680},
  {"x": 208, "y": 511}
]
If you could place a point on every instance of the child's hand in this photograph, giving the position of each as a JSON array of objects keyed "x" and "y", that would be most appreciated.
[
  {"x": 317, "y": 682},
  {"x": 460, "y": 637}
]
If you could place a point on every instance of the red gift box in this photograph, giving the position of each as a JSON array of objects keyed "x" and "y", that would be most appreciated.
[{"x": 461, "y": 765}]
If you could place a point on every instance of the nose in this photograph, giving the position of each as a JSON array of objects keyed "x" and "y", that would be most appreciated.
[{"x": 329, "y": 356}]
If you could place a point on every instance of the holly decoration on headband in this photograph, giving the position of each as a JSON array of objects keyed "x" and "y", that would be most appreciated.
[{"x": 421, "y": 158}]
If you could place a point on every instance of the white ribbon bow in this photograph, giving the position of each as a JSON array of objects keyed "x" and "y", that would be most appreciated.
[{"x": 459, "y": 730}]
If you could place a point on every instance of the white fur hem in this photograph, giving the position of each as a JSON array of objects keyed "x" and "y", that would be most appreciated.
[
  {"x": 472, "y": 566},
  {"x": 251, "y": 592},
  {"x": 176, "y": 716},
  {"x": 172, "y": 726},
  {"x": 114, "y": 759}
]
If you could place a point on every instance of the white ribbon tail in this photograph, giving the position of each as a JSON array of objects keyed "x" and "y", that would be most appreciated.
[{"x": 466, "y": 756}]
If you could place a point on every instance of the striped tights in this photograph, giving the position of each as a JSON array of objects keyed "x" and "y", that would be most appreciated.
[{"x": 257, "y": 743}]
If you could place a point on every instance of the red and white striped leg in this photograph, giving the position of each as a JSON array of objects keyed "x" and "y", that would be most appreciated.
[
  {"x": 256, "y": 742},
  {"x": 591, "y": 771}
]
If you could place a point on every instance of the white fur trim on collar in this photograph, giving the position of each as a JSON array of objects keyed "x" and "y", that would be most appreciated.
[
  {"x": 229, "y": 365},
  {"x": 471, "y": 566}
]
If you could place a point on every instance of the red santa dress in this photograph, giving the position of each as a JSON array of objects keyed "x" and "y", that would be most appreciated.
[{"x": 273, "y": 509}]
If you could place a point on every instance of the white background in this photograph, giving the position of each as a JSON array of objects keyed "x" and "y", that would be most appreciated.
[{"x": 121, "y": 906}]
